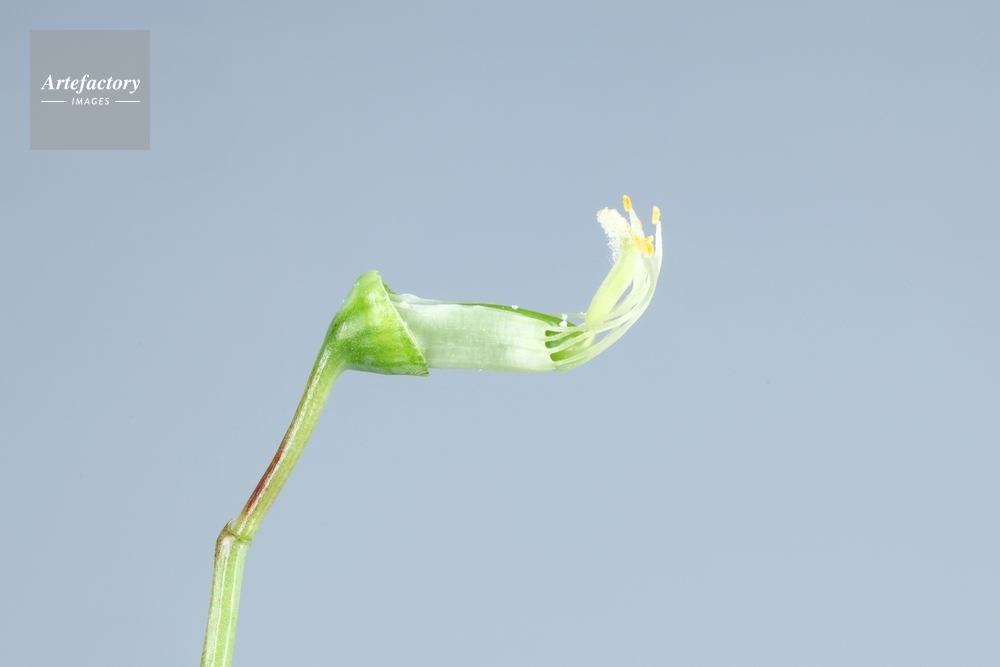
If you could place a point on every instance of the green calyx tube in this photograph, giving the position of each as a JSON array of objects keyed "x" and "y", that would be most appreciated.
[{"x": 367, "y": 334}]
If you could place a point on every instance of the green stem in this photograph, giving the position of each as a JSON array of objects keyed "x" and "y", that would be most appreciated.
[
  {"x": 366, "y": 334},
  {"x": 234, "y": 541}
]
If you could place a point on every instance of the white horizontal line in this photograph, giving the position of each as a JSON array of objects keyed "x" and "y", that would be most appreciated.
[
  {"x": 59, "y": 101},
  {"x": 128, "y": 101}
]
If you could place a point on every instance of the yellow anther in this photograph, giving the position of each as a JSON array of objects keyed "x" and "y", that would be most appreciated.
[
  {"x": 656, "y": 215},
  {"x": 627, "y": 203},
  {"x": 643, "y": 245}
]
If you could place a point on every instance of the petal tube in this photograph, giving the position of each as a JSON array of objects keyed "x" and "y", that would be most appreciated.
[{"x": 476, "y": 336}]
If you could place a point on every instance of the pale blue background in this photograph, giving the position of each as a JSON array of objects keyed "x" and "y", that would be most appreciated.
[{"x": 792, "y": 459}]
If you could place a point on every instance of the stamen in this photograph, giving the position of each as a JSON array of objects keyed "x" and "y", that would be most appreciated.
[
  {"x": 656, "y": 215},
  {"x": 634, "y": 222}
]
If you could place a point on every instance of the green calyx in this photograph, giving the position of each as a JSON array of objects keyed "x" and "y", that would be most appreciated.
[{"x": 368, "y": 334}]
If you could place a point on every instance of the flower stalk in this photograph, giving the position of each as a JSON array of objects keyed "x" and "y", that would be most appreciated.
[{"x": 378, "y": 331}]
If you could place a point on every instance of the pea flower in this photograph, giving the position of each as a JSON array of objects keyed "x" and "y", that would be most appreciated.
[
  {"x": 414, "y": 334},
  {"x": 379, "y": 331}
]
